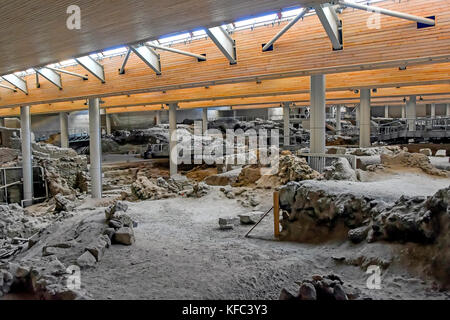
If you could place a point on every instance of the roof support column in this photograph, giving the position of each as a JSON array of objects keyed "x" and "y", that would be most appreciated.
[
  {"x": 64, "y": 129},
  {"x": 204, "y": 120},
  {"x": 317, "y": 121},
  {"x": 411, "y": 113},
  {"x": 95, "y": 148},
  {"x": 2, "y": 122},
  {"x": 158, "y": 117},
  {"x": 386, "y": 111},
  {"x": 108, "y": 123},
  {"x": 286, "y": 129},
  {"x": 433, "y": 110},
  {"x": 364, "y": 121},
  {"x": 27, "y": 164},
  {"x": 447, "y": 112},
  {"x": 173, "y": 138},
  {"x": 403, "y": 112},
  {"x": 338, "y": 119},
  {"x": 357, "y": 116}
]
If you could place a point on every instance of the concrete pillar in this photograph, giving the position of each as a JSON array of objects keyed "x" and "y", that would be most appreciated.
[
  {"x": 447, "y": 112},
  {"x": 364, "y": 120},
  {"x": 158, "y": 117},
  {"x": 27, "y": 162},
  {"x": 108, "y": 123},
  {"x": 204, "y": 119},
  {"x": 433, "y": 111},
  {"x": 317, "y": 120},
  {"x": 64, "y": 129},
  {"x": 357, "y": 116},
  {"x": 386, "y": 111},
  {"x": 173, "y": 138},
  {"x": 338, "y": 120},
  {"x": 286, "y": 129},
  {"x": 403, "y": 112},
  {"x": 411, "y": 113},
  {"x": 2, "y": 122},
  {"x": 95, "y": 148}
]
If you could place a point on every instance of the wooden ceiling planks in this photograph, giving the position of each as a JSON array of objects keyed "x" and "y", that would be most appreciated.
[{"x": 304, "y": 49}]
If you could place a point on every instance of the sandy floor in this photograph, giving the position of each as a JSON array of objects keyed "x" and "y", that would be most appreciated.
[{"x": 181, "y": 254}]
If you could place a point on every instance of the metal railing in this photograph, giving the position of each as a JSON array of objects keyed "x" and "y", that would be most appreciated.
[
  {"x": 11, "y": 185},
  {"x": 421, "y": 127}
]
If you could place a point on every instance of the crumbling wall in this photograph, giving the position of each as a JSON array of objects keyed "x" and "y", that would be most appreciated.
[
  {"x": 65, "y": 170},
  {"x": 412, "y": 160},
  {"x": 314, "y": 214}
]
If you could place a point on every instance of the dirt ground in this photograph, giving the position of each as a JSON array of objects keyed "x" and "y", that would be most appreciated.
[{"x": 180, "y": 253}]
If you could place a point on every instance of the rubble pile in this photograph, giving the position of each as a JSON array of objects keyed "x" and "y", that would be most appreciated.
[
  {"x": 412, "y": 160},
  {"x": 154, "y": 189},
  {"x": 373, "y": 151},
  {"x": 123, "y": 175},
  {"x": 340, "y": 169},
  {"x": 413, "y": 219},
  {"x": 18, "y": 229},
  {"x": 327, "y": 288},
  {"x": 120, "y": 225},
  {"x": 246, "y": 197},
  {"x": 44, "y": 278},
  {"x": 46, "y": 270},
  {"x": 290, "y": 168}
]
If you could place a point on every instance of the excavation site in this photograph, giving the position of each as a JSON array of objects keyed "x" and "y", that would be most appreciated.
[{"x": 258, "y": 151}]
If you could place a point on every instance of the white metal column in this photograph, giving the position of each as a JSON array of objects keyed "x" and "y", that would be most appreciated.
[
  {"x": 386, "y": 111},
  {"x": 286, "y": 130},
  {"x": 364, "y": 121},
  {"x": 433, "y": 110},
  {"x": 95, "y": 148},
  {"x": 317, "y": 121},
  {"x": 27, "y": 162},
  {"x": 173, "y": 138},
  {"x": 108, "y": 123},
  {"x": 447, "y": 112},
  {"x": 64, "y": 129},
  {"x": 158, "y": 117},
  {"x": 204, "y": 120},
  {"x": 357, "y": 116},
  {"x": 403, "y": 112},
  {"x": 411, "y": 113},
  {"x": 338, "y": 119}
]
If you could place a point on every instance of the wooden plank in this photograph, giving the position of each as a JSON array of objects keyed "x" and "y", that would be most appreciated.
[{"x": 276, "y": 214}]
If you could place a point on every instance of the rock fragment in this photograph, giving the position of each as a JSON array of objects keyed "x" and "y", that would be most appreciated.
[{"x": 124, "y": 235}]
